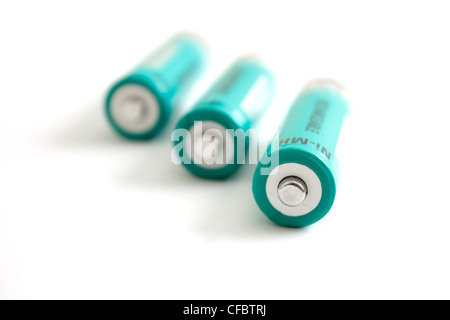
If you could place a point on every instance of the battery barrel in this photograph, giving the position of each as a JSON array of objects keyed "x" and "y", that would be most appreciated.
[
  {"x": 218, "y": 124},
  {"x": 301, "y": 188},
  {"x": 139, "y": 105}
]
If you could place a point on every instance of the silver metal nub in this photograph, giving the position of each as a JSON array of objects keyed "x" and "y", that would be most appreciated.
[
  {"x": 134, "y": 109},
  {"x": 292, "y": 191}
]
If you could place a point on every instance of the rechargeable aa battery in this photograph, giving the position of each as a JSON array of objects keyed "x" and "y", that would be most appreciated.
[
  {"x": 301, "y": 188},
  {"x": 222, "y": 117},
  {"x": 139, "y": 105}
]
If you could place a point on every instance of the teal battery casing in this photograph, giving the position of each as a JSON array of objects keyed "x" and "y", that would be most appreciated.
[
  {"x": 139, "y": 105},
  {"x": 300, "y": 188},
  {"x": 211, "y": 140}
]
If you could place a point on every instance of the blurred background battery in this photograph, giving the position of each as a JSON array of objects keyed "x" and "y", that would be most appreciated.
[
  {"x": 301, "y": 188},
  {"x": 139, "y": 105},
  {"x": 215, "y": 145}
]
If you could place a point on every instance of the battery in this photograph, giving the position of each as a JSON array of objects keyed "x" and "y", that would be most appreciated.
[
  {"x": 301, "y": 187},
  {"x": 139, "y": 105},
  {"x": 216, "y": 129}
]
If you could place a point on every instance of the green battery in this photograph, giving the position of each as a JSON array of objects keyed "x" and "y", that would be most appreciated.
[
  {"x": 300, "y": 189},
  {"x": 139, "y": 105},
  {"x": 214, "y": 139}
]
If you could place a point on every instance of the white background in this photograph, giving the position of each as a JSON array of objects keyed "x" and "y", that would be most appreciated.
[{"x": 86, "y": 214}]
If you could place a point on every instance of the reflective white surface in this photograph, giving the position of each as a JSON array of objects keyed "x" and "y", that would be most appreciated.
[{"x": 86, "y": 214}]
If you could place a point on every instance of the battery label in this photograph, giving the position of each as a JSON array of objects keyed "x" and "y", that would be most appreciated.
[
  {"x": 317, "y": 117},
  {"x": 306, "y": 142},
  {"x": 230, "y": 81}
]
